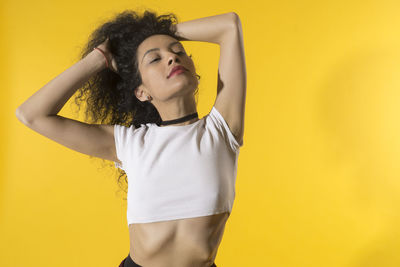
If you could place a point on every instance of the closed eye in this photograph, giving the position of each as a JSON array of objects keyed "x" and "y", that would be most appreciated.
[{"x": 179, "y": 53}]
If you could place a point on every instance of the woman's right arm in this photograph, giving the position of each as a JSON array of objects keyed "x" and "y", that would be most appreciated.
[{"x": 39, "y": 112}]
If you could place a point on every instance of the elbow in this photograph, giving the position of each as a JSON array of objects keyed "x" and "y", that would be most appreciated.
[
  {"x": 235, "y": 17},
  {"x": 21, "y": 117},
  {"x": 234, "y": 21}
]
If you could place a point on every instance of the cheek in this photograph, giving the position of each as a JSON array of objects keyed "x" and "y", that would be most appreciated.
[
  {"x": 155, "y": 75},
  {"x": 192, "y": 67}
]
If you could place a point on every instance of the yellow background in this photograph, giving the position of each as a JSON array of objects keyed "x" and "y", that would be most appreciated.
[{"x": 318, "y": 177}]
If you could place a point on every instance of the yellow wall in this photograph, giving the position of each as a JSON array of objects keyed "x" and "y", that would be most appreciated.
[{"x": 318, "y": 178}]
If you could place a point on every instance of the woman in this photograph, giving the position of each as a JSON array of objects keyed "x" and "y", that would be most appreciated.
[{"x": 181, "y": 170}]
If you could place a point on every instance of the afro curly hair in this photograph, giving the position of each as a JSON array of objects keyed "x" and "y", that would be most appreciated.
[{"x": 109, "y": 96}]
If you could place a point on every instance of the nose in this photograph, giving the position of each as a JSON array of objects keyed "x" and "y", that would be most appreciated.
[{"x": 173, "y": 57}]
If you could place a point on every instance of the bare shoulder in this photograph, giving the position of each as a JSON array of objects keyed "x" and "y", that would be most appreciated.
[{"x": 108, "y": 128}]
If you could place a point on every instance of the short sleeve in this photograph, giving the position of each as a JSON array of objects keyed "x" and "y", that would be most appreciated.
[
  {"x": 122, "y": 138},
  {"x": 223, "y": 126}
]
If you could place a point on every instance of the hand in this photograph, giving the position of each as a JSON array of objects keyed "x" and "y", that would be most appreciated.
[{"x": 105, "y": 47}]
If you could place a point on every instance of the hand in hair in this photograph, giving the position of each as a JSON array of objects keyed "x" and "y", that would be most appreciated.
[{"x": 105, "y": 47}]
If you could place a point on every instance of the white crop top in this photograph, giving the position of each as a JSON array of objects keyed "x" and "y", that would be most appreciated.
[{"x": 180, "y": 171}]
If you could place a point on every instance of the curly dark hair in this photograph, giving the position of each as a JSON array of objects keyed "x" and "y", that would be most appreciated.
[{"x": 109, "y": 96}]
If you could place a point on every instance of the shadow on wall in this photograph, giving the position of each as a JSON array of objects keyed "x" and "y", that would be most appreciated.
[{"x": 358, "y": 115}]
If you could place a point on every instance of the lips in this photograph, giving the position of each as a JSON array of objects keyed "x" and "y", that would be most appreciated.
[{"x": 176, "y": 68}]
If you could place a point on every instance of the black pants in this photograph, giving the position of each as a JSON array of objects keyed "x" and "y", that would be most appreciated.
[{"x": 128, "y": 262}]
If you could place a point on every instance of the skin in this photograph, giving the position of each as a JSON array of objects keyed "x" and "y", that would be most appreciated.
[
  {"x": 179, "y": 243},
  {"x": 173, "y": 97},
  {"x": 191, "y": 242}
]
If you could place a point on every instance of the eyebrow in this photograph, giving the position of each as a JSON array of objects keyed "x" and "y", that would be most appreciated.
[{"x": 154, "y": 49}]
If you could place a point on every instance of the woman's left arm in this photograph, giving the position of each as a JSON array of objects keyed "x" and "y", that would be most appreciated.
[
  {"x": 207, "y": 29},
  {"x": 226, "y": 31}
]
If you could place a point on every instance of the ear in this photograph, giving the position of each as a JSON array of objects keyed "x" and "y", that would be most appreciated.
[{"x": 140, "y": 93}]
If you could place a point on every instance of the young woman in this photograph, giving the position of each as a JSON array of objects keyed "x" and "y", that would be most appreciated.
[{"x": 181, "y": 169}]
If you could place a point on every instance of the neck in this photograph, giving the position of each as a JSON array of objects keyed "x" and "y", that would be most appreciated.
[
  {"x": 178, "y": 109},
  {"x": 182, "y": 121}
]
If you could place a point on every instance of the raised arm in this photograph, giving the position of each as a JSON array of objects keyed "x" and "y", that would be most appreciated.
[
  {"x": 226, "y": 31},
  {"x": 39, "y": 112}
]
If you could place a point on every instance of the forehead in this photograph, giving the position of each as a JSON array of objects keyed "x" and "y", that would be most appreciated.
[{"x": 155, "y": 41}]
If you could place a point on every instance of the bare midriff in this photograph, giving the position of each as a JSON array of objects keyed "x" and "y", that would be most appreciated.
[{"x": 189, "y": 242}]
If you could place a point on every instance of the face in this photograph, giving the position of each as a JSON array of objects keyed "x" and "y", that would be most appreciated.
[{"x": 155, "y": 66}]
